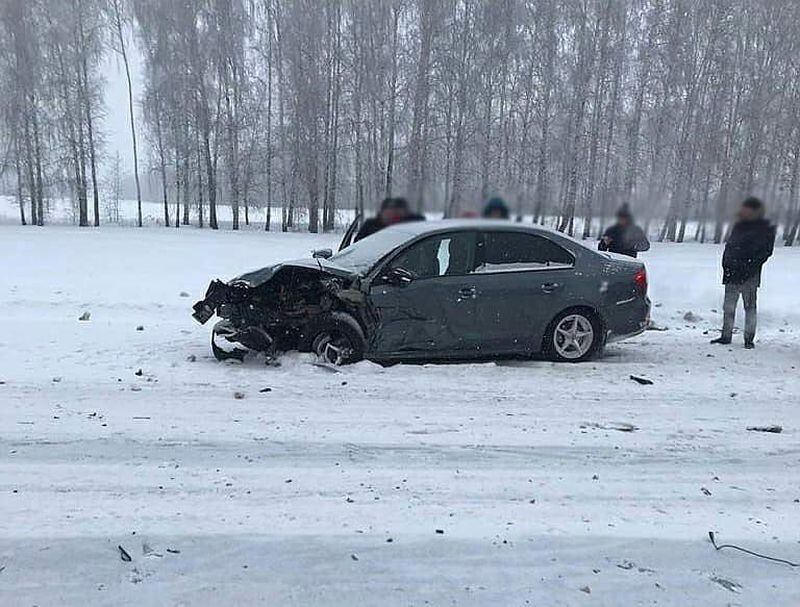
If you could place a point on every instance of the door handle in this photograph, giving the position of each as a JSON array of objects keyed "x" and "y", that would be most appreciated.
[
  {"x": 549, "y": 287},
  {"x": 467, "y": 292}
]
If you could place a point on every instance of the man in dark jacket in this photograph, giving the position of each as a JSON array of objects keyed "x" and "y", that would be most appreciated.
[
  {"x": 495, "y": 208},
  {"x": 393, "y": 210},
  {"x": 749, "y": 245},
  {"x": 624, "y": 236}
]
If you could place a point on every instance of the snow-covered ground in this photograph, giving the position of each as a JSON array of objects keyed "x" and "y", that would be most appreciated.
[{"x": 471, "y": 484}]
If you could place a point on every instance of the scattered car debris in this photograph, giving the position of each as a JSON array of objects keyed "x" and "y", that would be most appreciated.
[
  {"x": 140, "y": 328},
  {"x": 642, "y": 380},
  {"x": 85, "y": 316},
  {"x": 173, "y": 551},
  {"x": 183, "y": 294},
  {"x": 692, "y": 317},
  {"x": 191, "y": 358},
  {"x": 265, "y": 390},
  {"x": 705, "y": 491},
  {"x": 718, "y": 547},
  {"x": 139, "y": 373},
  {"x": 774, "y": 429},
  {"x": 618, "y": 426},
  {"x": 238, "y": 395},
  {"x": 586, "y": 589},
  {"x": 440, "y": 531},
  {"x": 123, "y": 554},
  {"x": 354, "y": 556},
  {"x": 726, "y": 583}
]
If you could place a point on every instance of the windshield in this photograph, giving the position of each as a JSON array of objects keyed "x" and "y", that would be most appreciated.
[{"x": 362, "y": 255}]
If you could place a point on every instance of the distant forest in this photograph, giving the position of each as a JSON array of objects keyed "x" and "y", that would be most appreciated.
[{"x": 566, "y": 108}]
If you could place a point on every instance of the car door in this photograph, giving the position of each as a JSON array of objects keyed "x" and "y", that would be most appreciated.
[
  {"x": 520, "y": 281},
  {"x": 432, "y": 315},
  {"x": 351, "y": 232}
]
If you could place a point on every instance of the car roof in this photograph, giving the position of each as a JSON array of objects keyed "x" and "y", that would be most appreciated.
[{"x": 417, "y": 228}]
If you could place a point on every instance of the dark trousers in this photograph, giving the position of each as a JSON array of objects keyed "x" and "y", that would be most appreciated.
[{"x": 749, "y": 293}]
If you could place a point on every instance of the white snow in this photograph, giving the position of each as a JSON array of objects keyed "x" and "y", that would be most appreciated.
[{"x": 290, "y": 496}]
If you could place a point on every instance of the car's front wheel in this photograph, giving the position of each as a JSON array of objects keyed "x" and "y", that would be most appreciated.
[
  {"x": 574, "y": 336},
  {"x": 336, "y": 339}
]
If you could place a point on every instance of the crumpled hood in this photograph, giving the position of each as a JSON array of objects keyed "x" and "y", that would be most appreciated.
[{"x": 257, "y": 278}]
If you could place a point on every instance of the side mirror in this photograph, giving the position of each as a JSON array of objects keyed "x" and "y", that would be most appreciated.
[
  {"x": 322, "y": 253},
  {"x": 399, "y": 277}
]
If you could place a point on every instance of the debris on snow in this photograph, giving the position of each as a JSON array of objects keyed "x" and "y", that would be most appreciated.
[
  {"x": 238, "y": 395},
  {"x": 139, "y": 373},
  {"x": 264, "y": 390},
  {"x": 774, "y": 429},
  {"x": 140, "y": 328},
  {"x": 642, "y": 380},
  {"x": 692, "y": 317},
  {"x": 705, "y": 491},
  {"x": 586, "y": 589},
  {"x": 191, "y": 358},
  {"x": 440, "y": 531},
  {"x": 123, "y": 554},
  {"x": 184, "y": 294},
  {"x": 85, "y": 316},
  {"x": 726, "y": 583},
  {"x": 354, "y": 556},
  {"x": 173, "y": 551},
  {"x": 618, "y": 426}
]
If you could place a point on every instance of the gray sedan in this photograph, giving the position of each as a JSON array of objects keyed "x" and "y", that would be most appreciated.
[{"x": 438, "y": 290}]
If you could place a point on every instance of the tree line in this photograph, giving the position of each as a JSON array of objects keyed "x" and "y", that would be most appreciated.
[{"x": 301, "y": 108}]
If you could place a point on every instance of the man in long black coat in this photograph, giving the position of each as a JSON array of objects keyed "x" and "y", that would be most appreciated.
[
  {"x": 624, "y": 236},
  {"x": 392, "y": 211},
  {"x": 749, "y": 245}
]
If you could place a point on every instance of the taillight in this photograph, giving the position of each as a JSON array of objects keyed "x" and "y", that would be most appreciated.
[{"x": 640, "y": 279}]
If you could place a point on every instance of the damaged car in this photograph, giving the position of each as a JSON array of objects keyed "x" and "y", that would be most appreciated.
[{"x": 439, "y": 290}]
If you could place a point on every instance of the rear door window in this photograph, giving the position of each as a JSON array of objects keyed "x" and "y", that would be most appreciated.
[{"x": 517, "y": 251}]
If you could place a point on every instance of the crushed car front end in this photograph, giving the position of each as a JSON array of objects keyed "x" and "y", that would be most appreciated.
[{"x": 271, "y": 310}]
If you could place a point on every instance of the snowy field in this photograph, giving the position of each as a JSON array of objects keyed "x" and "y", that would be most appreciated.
[{"x": 472, "y": 484}]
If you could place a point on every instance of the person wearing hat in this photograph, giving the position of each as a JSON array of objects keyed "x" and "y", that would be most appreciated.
[
  {"x": 749, "y": 245},
  {"x": 393, "y": 210},
  {"x": 624, "y": 237},
  {"x": 495, "y": 208}
]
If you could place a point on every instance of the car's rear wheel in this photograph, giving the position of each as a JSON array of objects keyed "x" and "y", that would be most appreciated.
[
  {"x": 336, "y": 338},
  {"x": 574, "y": 336}
]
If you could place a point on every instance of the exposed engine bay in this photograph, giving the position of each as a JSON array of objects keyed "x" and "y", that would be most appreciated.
[{"x": 282, "y": 308}]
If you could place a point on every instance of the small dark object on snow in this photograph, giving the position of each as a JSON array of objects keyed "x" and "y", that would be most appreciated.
[
  {"x": 354, "y": 556},
  {"x": 642, "y": 380},
  {"x": 692, "y": 317},
  {"x": 191, "y": 358},
  {"x": 173, "y": 551},
  {"x": 586, "y": 589},
  {"x": 85, "y": 316},
  {"x": 440, "y": 531},
  {"x": 774, "y": 428},
  {"x": 139, "y": 373},
  {"x": 123, "y": 554},
  {"x": 263, "y": 390},
  {"x": 718, "y": 547},
  {"x": 140, "y": 328},
  {"x": 184, "y": 294},
  {"x": 344, "y": 383},
  {"x": 238, "y": 395},
  {"x": 389, "y": 540},
  {"x": 705, "y": 491}
]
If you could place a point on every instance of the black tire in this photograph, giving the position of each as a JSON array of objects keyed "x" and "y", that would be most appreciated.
[
  {"x": 554, "y": 347},
  {"x": 336, "y": 338},
  {"x": 218, "y": 332}
]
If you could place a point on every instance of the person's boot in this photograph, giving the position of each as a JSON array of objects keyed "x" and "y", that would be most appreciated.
[
  {"x": 725, "y": 341},
  {"x": 748, "y": 343}
]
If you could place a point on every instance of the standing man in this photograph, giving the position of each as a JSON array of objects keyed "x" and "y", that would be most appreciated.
[
  {"x": 393, "y": 210},
  {"x": 624, "y": 236},
  {"x": 495, "y": 208},
  {"x": 749, "y": 245}
]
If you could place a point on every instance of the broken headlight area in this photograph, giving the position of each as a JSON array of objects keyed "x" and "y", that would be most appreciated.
[{"x": 275, "y": 315}]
